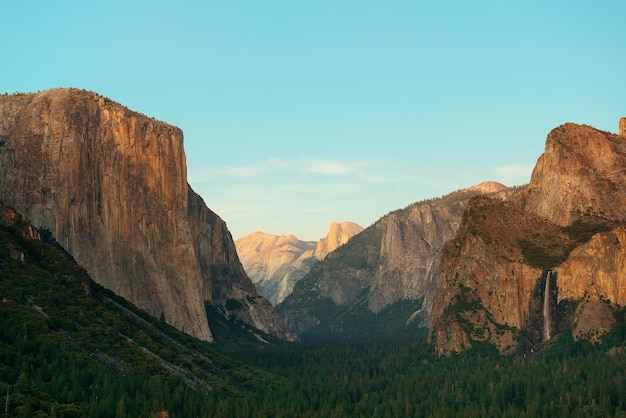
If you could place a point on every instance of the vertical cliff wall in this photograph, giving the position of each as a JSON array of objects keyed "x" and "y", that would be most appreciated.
[
  {"x": 486, "y": 285},
  {"x": 338, "y": 234},
  {"x": 411, "y": 245},
  {"x": 111, "y": 186},
  {"x": 224, "y": 278},
  {"x": 394, "y": 262},
  {"x": 580, "y": 172},
  {"x": 595, "y": 275}
]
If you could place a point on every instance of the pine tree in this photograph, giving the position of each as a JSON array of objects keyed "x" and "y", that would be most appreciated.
[{"x": 121, "y": 408}]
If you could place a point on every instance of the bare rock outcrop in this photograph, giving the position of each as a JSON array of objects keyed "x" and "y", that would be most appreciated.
[
  {"x": 110, "y": 184},
  {"x": 581, "y": 176},
  {"x": 411, "y": 244},
  {"x": 11, "y": 219},
  {"x": 595, "y": 275},
  {"x": 596, "y": 269},
  {"x": 489, "y": 187},
  {"x": 276, "y": 263},
  {"x": 486, "y": 285},
  {"x": 580, "y": 172},
  {"x": 338, "y": 234}
]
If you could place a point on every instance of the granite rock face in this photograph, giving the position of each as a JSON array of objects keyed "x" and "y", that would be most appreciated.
[
  {"x": 395, "y": 260},
  {"x": 275, "y": 263},
  {"x": 110, "y": 185},
  {"x": 595, "y": 275},
  {"x": 555, "y": 255},
  {"x": 580, "y": 172},
  {"x": 596, "y": 269},
  {"x": 485, "y": 289},
  {"x": 338, "y": 234},
  {"x": 580, "y": 180},
  {"x": 11, "y": 219}
]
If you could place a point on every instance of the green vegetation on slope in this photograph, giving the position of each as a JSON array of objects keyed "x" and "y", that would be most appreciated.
[
  {"x": 396, "y": 322},
  {"x": 549, "y": 250},
  {"x": 69, "y": 348}
]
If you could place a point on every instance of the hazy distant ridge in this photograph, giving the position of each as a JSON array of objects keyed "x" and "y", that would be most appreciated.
[{"x": 276, "y": 262}]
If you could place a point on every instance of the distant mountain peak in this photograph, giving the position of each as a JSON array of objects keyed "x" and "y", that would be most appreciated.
[
  {"x": 338, "y": 234},
  {"x": 488, "y": 187},
  {"x": 276, "y": 262}
]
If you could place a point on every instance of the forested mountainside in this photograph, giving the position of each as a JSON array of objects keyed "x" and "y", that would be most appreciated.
[
  {"x": 70, "y": 348},
  {"x": 110, "y": 184}
]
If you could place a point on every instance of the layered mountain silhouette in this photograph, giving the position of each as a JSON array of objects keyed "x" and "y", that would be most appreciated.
[
  {"x": 384, "y": 278},
  {"x": 514, "y": 267}
]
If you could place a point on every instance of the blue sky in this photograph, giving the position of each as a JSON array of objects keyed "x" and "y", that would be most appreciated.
[{"x": 299, "y": 113}]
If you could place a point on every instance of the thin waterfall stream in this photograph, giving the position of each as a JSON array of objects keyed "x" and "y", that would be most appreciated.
[{"x": 546, "y": 309}]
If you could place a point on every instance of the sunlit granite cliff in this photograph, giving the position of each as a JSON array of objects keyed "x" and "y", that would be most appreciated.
[
  {"x": 110, "y": 185},
  {"x": 520, "y": 272},
  {"x": 338, "y": 234},
  {"x": 276, "y": 263}
]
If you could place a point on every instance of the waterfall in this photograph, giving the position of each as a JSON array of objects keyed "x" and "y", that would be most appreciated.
[{"x": 546, "y": 308}]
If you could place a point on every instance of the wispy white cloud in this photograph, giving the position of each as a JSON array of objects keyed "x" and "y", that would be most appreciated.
[
  {"x": 327, "y": 167},
  {"x": 276, "y": 166},
  {"x": 279, "y": 190},
  {"x": 363, "y": 171},
  {"x": 514, "y": 172},
  {"x": 251, "y": 170}
]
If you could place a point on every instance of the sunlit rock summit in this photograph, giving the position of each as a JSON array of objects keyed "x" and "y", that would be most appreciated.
[
  {"x": 110, "y": 185},
  {"x": 520, "y": 272},
  {"x": 275, "y": 263},
  {"x": 338, "y": 234}
]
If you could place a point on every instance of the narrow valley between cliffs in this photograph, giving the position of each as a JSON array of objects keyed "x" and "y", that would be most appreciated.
[{"x": 122, "y": 294}]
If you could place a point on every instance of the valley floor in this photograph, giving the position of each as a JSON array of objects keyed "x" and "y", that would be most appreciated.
[{"x": 384, "y": 379}]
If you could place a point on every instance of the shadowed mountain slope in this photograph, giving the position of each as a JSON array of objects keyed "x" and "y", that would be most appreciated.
[{"x": 384, "y": 275}]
